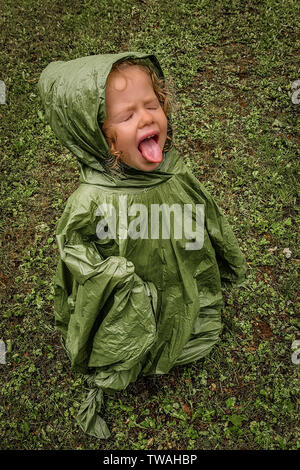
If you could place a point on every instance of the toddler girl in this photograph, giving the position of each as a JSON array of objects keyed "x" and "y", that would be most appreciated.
[{"x": 143, "y": 246}]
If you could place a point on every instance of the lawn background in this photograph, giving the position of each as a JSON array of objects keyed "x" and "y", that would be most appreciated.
[{"x": 231, "y": 65}]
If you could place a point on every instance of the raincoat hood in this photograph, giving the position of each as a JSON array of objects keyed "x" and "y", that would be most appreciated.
[{"x": 73, "y": 94}]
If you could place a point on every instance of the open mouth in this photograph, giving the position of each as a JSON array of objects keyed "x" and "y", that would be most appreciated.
[
  {"x": 152, "y": 136},
  {"x": 150, "y": 149}
]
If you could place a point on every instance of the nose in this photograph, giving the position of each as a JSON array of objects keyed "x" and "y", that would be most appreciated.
[{"x": 146, "y": 118}]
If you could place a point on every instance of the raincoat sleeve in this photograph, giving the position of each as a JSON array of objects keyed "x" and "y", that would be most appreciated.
[
  {"x": 103, "y": 309},
  {"x": 231, "y": 261}
]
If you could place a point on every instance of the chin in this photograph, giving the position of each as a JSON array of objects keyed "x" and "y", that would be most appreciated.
[{"x": 150, "y": 167}]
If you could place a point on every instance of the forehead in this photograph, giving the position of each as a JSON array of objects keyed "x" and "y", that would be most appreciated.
[{"x": 123, "y": 84}]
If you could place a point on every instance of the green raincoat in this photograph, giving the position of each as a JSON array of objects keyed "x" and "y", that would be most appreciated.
[{"x": 139, "y": 304}]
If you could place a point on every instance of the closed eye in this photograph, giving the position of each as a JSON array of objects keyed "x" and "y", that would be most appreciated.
[
  {"x": 127, "y": 117},
  {"x": 152, "y": 105}
]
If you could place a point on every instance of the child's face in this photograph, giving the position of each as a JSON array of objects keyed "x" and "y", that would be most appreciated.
[{"x": 133, "y": 112}]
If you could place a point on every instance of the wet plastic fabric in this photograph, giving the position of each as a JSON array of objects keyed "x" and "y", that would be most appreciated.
[{"x": 130, "y": 306}]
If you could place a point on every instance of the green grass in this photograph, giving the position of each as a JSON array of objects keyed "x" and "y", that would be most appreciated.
[{"x": 231, "y": 65}]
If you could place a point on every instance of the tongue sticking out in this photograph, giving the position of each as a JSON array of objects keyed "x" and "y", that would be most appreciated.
[{"x": 150, "y": 150}]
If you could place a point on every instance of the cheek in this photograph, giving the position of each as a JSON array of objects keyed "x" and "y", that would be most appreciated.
[
  {"x": 163, "y": 120},
  {"x": 164, "y": 124},
  {"x": 128, "y": 134},
  {"x": 123, "y": 139}
]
